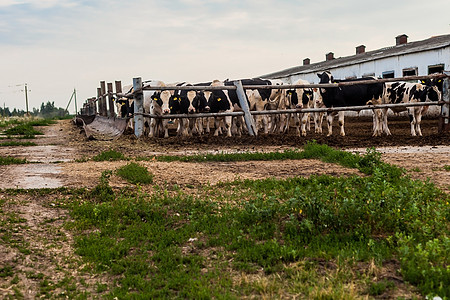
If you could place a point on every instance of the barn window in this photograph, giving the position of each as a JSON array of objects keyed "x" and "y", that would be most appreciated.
[
  {"x": 436, "y": 69},
  {"x": 350, "y": 77},
  {"x": 368, "y": 75},
  {"x": 388, "y": 74},
  {"x": 410, "y": 72}
]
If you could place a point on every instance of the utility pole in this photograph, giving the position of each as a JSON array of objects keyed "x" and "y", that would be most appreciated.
[
  {"x": 75, "y": 98},
  {"x": 26, "y": 97}
]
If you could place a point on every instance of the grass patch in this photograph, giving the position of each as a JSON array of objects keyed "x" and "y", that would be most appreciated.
[
  {"x": 368, "y": 163},
  {"x": 135, "y": 174},
  {"x": 23, "y": 129},
  {"x": 9, "y": 160},
  {"x": 174, "y": 245},
  {"x": 447, "y": 168},
  {"x": 8, "y": 122},
  {"x": 110, "y": 155},
  {"x": 41, "y": 122},
  {"x": 14, "y": 143}
]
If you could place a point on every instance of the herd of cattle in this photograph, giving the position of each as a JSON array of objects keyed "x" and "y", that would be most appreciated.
[{"x": 184, "y": 101}]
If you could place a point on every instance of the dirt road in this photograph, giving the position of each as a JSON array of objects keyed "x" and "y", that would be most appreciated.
[{"x": 59, "y": 159}]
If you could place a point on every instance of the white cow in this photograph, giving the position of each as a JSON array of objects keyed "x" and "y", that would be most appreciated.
[{"x": 157, "y": 103}]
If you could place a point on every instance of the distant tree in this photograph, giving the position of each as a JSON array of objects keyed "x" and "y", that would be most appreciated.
[{"x": 48, "y": 110}]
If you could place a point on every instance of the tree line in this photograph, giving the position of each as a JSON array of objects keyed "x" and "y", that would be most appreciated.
[{"x": 47, "y": 110}]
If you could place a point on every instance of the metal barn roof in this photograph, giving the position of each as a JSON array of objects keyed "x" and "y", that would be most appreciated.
[{"x": 435, "y": 42}]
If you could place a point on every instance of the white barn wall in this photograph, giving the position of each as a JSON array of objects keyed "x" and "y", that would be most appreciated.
[{"x": 420, "y": 60}]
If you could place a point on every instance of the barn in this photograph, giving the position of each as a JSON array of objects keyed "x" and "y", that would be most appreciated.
[{"x": 403, "y": 59}]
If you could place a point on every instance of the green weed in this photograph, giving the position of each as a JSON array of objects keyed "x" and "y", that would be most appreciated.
[
  {"x": 103, "y": 192},
  {"x": 23, "y": 129},
  {"x": 426, "y": 264},
  {"x": 6, "y": 271},
  {"x": 9, "y": 160},
  {"x": 134, "y": 173}
]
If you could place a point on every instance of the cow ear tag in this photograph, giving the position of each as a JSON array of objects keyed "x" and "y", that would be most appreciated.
[
  {"x": 156, "y": 99},
  {"x": 219, "y": 99}
]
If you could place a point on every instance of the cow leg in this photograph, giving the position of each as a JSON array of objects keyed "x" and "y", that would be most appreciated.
[
  {"x": 165, "y": 127},
  {"x": 228, "y": 121},
  {"x": 377, "y": 130},
  {"x": 385, "y": 122},
  {"x": 341, "y": 116},
  {"x": 151, "y": 131},
  {"x": 217, "y": 122},
  {"x": 308, "y": 122},
  {"x": 418, "y": 115},
  {"x": 318, "y": 119},
  {"x": 305, "y": 123},
  {"x": 412, "y": 121},
  {"x": 330, "y": 118},
  {"x": 282, "y": 123},
  {"x": 207, "y": 122}
]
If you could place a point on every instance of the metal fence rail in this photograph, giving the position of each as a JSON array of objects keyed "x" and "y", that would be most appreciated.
[{"x": 139, "y": 87}]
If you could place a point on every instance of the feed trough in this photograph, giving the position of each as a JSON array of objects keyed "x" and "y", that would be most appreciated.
[{"x": 102, "y": 128}]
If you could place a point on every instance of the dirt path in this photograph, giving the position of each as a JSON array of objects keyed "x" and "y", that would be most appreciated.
[{"x": 59, "y": 155}]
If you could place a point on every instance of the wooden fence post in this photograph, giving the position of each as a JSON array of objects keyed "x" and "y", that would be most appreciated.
[
  {"x": 98, "y": 103},
  {"x": 118, "y": 85},
  {"x": 103, "y": 110},
  {"x": 249, "y": 121},
  {"x": 444, "y": 118},
  {"x": 110, "y": 100},
  {"x": 138, "y": 107}
]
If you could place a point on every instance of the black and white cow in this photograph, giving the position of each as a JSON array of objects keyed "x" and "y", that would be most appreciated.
[
  {"x": 350, "y": 95},
  {"x": 159, "y": 105},
  {"x": 125, "y": 107},
  {"x": 218, "y": 101},
  {"x": 300, "y": 98},
  {"x": 407, "y": 92},
  {"x": 258, "y": 99},
  {"x": 200, "y": 103}
]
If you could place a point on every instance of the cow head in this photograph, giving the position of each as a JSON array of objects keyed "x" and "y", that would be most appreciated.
[
  {"x": 160, "y": 103},
  {"x": 433, "y": 82},
  {"x": 174, "y": 103},
  {"x": 307, "y": 96},
  {"x": 200, "y": 103},
  {"x": 292, "y": 98},
  {"x": 433, "y": 93},
  {"x": 218, "y": 101},
  {"x": 317, "y": 97},
  {"x": 165, "y": 96},
  {"x": 325, "y": 77},
  {"x": 191, "y": 96}
]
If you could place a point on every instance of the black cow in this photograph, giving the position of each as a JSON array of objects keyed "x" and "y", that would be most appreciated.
[{"x": 350, "y": 95}]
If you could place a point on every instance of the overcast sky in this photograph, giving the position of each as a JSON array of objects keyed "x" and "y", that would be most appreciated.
[{"x": 57, "y": 45}]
